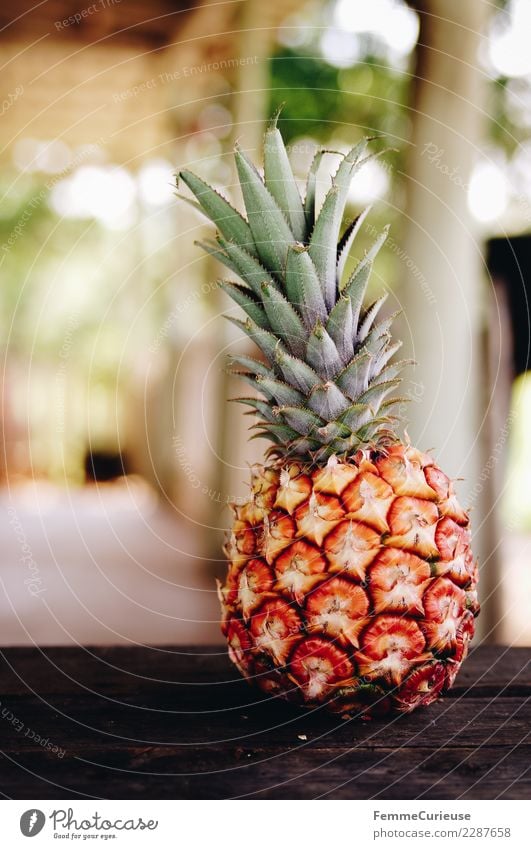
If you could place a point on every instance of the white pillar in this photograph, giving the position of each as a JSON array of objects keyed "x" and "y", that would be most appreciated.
[
  {"x": 442, "y": 254},
  {"x": 249, "y": 105}
]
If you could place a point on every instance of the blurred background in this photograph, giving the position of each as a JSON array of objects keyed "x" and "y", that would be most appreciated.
[{"x": 120, "y": 455}]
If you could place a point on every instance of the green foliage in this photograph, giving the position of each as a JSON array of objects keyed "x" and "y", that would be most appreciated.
[
  {"x": 309, "y": 89},
  {"x": 321, "y": 101}
]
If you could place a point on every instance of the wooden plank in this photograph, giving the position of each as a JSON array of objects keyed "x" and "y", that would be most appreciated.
[
  {"x": 88, "y": 723},
  {"x": 133, "y": 723},
  {"x": 122, "y": 669},
  {"x": 450, "y": 773},
  {"x": 116, "y": 669},
  {"x": 495, "y": 668}
]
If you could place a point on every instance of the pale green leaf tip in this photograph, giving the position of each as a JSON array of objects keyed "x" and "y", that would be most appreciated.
[
  {"x": 272, "y": 125},
  {"x": 298, "y": 248}
]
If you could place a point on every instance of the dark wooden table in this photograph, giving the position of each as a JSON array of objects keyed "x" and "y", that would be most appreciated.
[{"x": 123, "y": 723}]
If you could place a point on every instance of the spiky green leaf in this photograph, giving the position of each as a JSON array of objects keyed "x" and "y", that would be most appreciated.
[
  {"x": 328, "y": 223},
  {"x": 340, "y": 326},
  {"x": 282, "y": 392},
  {"x": 296, "y": 371},
  {"x": 322, "y": 353},
  {"x": 393, "y": 370},
  {"x": 383, "y": 355},
  {"x": 328, "y": 401},
  {"x": 346, "y": 241},
  {"x": 213, "y": 249},
  {"x": 247, "y": 266},
  {"x": 302, "y": 420},
  {"x": 356, "y": 416},
  {"x": 355, "y": 289},
  {"x": 357, "y": 282},
  {"x": 379, "y": 336},
  {"x": 270, "y": 230},
  {"x": 303, "y": 287},
  {"x": 369, "y": 317},
  {"x": 249, "y": 363},
  {"x": 375, "y": 394},
  {"x": 227, "y": 219},
  {"x": 322, "y": 237},
  {"x": 247, "y": 301},
  {"x": 283, "y": 433},
  {"x": 311, "y": 188},
  {"x": 332, "y": 431},
  {"x": 281, "y": 183},
  {"x": 354, "y": 379},
  {"x": 283, "y": 319},
  {"x": 265, "y": 340},
  {"x": 259, "y": 407}
]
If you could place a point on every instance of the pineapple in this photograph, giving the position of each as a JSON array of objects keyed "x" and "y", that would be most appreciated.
[{"x": 351, "y": 582}]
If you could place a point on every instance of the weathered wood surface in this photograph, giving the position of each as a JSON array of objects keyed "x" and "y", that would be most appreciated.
[{"x": 180, "y": 723}]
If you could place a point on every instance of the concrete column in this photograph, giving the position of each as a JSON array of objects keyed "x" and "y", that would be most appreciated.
[
  {"x": 249, "y": 107},
  {"x": 442, "y": 294}
]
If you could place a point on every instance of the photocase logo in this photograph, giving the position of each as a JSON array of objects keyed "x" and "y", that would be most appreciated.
[{"x": 32, "y": 822}]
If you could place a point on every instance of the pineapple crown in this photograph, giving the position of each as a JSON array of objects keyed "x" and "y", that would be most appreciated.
[{"x": 327, "y": 377}]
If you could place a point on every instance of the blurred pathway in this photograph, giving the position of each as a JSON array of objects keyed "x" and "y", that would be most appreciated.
[{"x": 100, "y": 565}]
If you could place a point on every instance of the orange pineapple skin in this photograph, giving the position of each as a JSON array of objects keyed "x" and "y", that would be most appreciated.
[{"x": 351, "y": 586}]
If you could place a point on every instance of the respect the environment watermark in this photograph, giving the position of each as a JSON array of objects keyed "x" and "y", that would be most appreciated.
[
  {"x": 41, "y": 196},
  {"x": 87, "y": 12},
  {"x": 409, "y": 263},
  {"x": 185, "y": 72}
]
